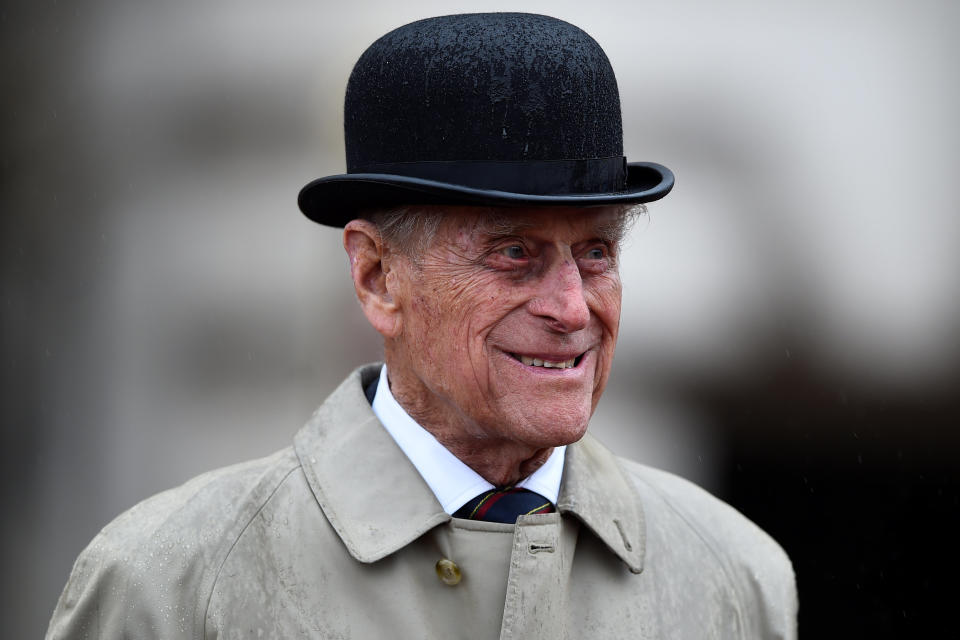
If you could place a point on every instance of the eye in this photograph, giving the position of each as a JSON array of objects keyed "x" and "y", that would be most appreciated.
[
  {"x": 514, "y": 252},
  {"x": 596, "y": 253},
  {"x": 596, "y": 259}
]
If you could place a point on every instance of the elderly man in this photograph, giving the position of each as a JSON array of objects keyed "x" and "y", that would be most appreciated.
[{"x": 453, "y": 492}]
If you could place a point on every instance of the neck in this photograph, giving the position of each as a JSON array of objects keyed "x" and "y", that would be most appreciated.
[
  {"x": 501, "y": 465},
  {"x": 498, "y": 460}
]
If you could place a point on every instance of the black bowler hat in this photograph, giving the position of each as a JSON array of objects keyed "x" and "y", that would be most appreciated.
[{"x": 483, "y": 109}]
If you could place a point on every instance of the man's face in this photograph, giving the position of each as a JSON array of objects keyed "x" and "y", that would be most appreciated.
[{"x": 509, "y": 327}]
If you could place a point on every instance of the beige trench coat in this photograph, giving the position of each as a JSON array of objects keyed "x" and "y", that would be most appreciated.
[{"x": 339, "y": 537}]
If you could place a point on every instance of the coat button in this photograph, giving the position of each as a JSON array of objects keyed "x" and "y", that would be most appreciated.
[{"x": 448, "y": 572}]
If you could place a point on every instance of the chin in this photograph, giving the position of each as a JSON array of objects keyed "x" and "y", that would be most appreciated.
[{"x": 556, "y": 428}]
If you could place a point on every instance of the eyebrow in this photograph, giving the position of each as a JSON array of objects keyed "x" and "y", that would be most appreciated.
[
  {"x": 499, "y": 225},
  {"x": 613, "y": 230}
]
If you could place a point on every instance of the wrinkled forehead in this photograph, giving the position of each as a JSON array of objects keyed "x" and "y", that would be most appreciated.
[{"x": 561, "y": 223}]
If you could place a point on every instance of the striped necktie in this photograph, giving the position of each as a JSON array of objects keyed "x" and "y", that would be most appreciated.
[{"x": 504, "y": 505}]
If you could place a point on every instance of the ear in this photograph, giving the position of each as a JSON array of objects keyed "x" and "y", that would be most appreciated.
[{"x": 370, "y": 267}]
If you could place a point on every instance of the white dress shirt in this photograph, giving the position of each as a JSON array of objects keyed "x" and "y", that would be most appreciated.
[{"x": 453, "y": 482}]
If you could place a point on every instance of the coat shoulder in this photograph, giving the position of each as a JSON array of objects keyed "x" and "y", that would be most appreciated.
[
  {"x": 755, "y": 564},
  {"x": 726, "y": 528},
  {"x": 215, "y": 499},
  {"x": 148, "y": 572}
]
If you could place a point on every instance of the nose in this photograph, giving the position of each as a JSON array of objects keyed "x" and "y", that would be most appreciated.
[{"x": 560, "y": 299}]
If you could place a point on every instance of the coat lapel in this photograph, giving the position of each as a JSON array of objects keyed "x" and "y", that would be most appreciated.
[
  {"x": 596, "y": 491},
  {"x": 369, "y": 491}
]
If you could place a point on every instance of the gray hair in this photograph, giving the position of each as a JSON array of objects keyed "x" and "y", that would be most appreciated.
[{"x": 407, "y": 229}]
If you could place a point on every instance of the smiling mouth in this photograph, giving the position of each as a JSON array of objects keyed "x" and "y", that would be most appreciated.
[{"x": 547, "y": 364}]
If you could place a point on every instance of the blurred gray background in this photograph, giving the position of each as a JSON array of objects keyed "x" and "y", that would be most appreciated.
[{"x": 166, "y": 309}]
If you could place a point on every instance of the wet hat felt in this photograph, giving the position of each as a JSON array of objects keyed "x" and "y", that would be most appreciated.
[{"x": 486, "y": 109}]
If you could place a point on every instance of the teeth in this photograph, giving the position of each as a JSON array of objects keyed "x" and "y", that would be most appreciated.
[{"x": 547, "y": 364}]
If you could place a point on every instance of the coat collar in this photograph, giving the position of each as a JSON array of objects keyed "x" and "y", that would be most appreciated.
[
  {"x": 597, "y": 492},
  {"x": 377, "y": 502}
]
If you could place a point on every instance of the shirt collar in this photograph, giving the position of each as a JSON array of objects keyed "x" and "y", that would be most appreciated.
[
  {"x": 378, "y": 502},
  {"x": 452, "y": 482}
]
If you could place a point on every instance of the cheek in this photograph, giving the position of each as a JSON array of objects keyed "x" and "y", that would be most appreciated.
[
  {"x": 443, "y": 322},
  {"x": 469, "y": 304},
  {"x": 604, "y": 301}
]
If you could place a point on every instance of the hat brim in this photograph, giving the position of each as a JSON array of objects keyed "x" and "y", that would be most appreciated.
[{"x": 336, "y": 200}]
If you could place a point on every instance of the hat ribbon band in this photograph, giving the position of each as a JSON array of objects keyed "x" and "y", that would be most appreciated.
[{"x": 535, "y": 177}]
